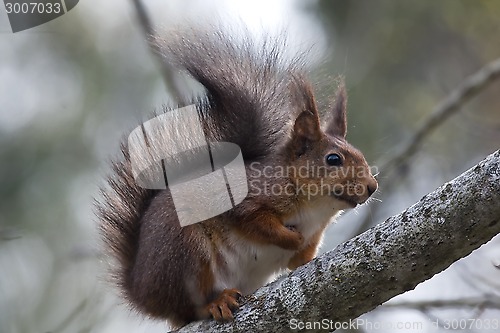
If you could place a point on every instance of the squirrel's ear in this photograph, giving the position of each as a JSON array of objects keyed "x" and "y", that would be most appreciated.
[
  {"x": 337, "y": 125},
  {"x": 306, "y": 131},
  {"x": 307, "y": 126}
]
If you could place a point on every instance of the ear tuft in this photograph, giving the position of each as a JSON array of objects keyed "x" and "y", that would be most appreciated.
[{"x": 337, "y": 126}]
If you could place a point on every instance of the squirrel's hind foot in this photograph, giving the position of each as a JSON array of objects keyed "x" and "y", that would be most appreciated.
[{"x": 222, "y": 308}]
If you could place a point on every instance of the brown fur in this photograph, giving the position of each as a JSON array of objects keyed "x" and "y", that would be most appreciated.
[
  {"x": 307, "y": 253},
  {"x": 267, "y": 107}
]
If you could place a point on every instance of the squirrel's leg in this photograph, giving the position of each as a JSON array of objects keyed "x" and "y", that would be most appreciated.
[
  {"x": 266, "y": 228},
  {"x": 307, "y": 253},
  {"x": 222, "y": 308}
]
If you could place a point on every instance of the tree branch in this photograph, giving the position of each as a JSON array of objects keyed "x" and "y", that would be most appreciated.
[
  {"x": 468, "y": 89},
  {"x": 168, "y": 74},
  {"x": 387, "y": 260},
  {"x": 450, "y": 105}
]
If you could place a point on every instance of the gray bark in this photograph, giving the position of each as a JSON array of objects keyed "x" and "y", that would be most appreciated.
[{"x": 385, "y": 261}]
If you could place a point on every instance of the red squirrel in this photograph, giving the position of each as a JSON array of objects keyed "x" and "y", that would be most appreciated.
[{"x": 301, "y": 174}]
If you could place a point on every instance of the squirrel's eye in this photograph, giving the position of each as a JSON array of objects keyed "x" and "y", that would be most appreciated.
[{"x": 334, "y": 160}]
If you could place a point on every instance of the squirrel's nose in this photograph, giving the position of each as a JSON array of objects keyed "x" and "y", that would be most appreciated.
[{"x": 371, "y": 188}]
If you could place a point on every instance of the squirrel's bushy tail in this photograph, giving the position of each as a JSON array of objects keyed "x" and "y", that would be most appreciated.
[
  {"x": 248, "y": 83},
  {"x": 120, "y": 210}
]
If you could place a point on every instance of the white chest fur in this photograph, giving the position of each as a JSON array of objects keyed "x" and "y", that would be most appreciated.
[{"x": 250, "y": 266}]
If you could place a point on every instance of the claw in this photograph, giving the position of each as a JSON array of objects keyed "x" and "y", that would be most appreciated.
[{"x": 222, "y": 308}]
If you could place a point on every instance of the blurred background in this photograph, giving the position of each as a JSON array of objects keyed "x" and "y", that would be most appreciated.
[{"x": 71, "y": 89}]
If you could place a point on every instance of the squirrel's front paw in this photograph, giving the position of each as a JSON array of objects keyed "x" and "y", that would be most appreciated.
[
  {"x": 294, "y": 239},
  {"x": 222, "y": 308}
]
